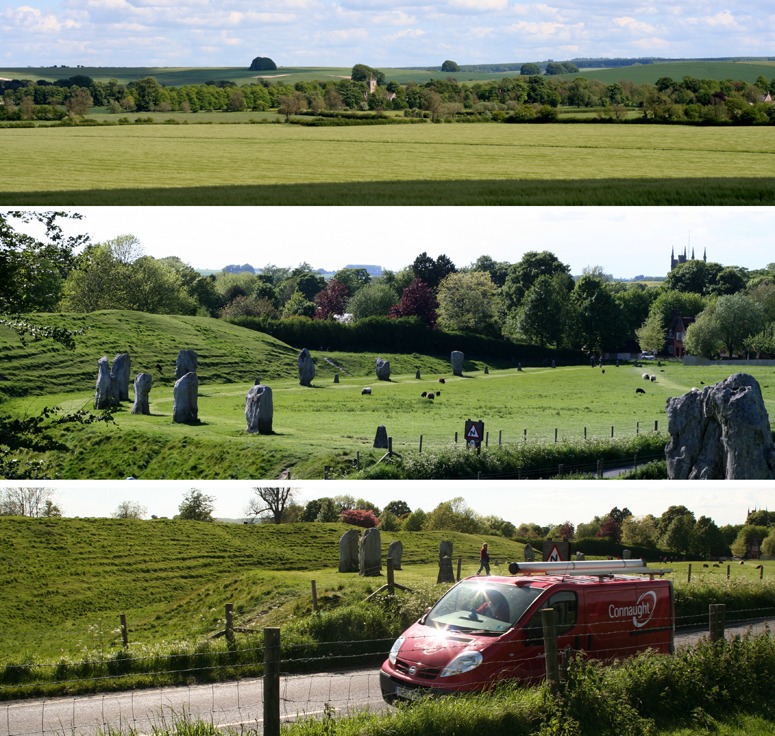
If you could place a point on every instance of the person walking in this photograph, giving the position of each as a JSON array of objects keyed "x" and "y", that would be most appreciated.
[{"x": 484, "y": 560}]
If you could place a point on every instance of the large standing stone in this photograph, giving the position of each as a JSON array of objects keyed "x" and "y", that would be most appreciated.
[
  {"x": 259, "y": 409},
  {"x": 381, "y": 438},
  {"x": 348, "y": 551},
  {"x": 121, "y": 374},
  {"x": 186, "y": 362},
  {"x": 395, "y": 553},
  {"x": 456, "y": 360},
  {"x": 446, "y": 573},
  {"x": 104, "y": 395},
  {"x": 184, "y": 399},
  {"x": 721, "y": 432},
  {"x": 370, "y": 553},
  {"x": 142, "y": 385},
  {"x": 383, "y": 369},
  {"x": 306, "y": 368}
]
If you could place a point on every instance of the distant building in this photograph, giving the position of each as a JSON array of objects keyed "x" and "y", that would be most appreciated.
[
  {"x": 676, "y": 333},
  {"x": 684, "y": 258}
]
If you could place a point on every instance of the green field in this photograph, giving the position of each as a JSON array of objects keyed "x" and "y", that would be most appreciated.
[
  {"x": 747, "y": 71},
  {"x": 328, "y": 424},
  {"x": 403, "y": 164},
  {"x": 66, "y": 581}
]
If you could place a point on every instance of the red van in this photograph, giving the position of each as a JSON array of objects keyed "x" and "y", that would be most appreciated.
[{"x": 486, "y": 629}]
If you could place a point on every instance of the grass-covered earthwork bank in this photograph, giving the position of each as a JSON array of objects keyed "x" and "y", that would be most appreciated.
[
  {"x": 536, "y": 419},
  {"x": 476, "y": 163},
  {"x": 67, "y": 581}
]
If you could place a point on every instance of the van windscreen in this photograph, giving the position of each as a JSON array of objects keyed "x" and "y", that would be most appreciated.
[{"x": 475, "y": 605}]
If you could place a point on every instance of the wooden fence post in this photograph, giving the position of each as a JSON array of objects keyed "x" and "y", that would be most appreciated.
[
  {"x": 599, "y": 468},
  {"x": 419, "y": 452},
  {"x": 689, "y": 574},
  {"x": 229, "y": 627},
  {"x": 459, "y": 567},
  {"x": 124, "y": 631},
  {"x": 271, "y": 682},
  {"x": 550, "y": 647},
  {"x": 716, "y": 616},
  {"x": 315, "y": 606},
  {"x": 391, "y": 577}
]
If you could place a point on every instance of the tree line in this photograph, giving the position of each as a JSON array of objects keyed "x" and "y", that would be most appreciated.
[
  {"x": 533, "y": 301},
  {"x": 519, "y": 98},
  {"x": 677, "y": 530}
]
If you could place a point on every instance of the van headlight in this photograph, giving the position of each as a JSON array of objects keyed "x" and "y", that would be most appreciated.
[
  {"x": 394, "y": 649},
  {"x": 464, "y": 662}
]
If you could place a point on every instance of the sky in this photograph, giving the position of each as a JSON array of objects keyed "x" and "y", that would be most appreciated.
[
  {"x": 380, "y": 33},
  {"x": 624, "y": 241},
  {"x": 542, "y": 502}
]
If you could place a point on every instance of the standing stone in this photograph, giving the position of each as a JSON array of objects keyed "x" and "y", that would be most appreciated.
[
  {"x": 417, "y": 373},
  {"x": 626, "y": 554},
  {"x": 186, "y": 362},
  {"x": 348, "y": 551},
  {"x": 456, "y": 360},
  {"x": 530, "y": 554},
  {"x": 446, "y": 573},
  {"x": 336, "y": 378},
  {"x": 383, "y": 369},
  {"x": 519, "y": 367},
  {"x": 381, "y": 438},
  {"x": 720, "y": 433},
  {"x": 104, "y": 396},
  {"x": 306, "y": 368},
  {"x": 487, "y": 370},
  {"x": 184, "y": 399},
  {"x": 142, "y": 385},
  {"x": 395, "y": 553},
  {"x": 370, "y": 553},
  {"x": 120, "y": 375},
  {"x": 259, "y": 409}
]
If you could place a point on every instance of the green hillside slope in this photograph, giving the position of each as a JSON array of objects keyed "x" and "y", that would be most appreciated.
[{"x": 65, "y": 582}]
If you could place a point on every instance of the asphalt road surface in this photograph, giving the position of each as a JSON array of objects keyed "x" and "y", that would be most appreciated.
[{"x": 231, "y": 705}]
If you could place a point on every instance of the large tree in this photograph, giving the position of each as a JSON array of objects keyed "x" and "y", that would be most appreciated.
[
  {"x": 431, "y": 271},
  {"x": 270, "y": 502},
  {"x": 526, "y": 272},
  {"x": 468, "y": 303},
  {"x": 374, "y": 300},
  {"x": 196, "y": 506},
  {"x": 28, "y": 501},
  {"x": 596, "y": 316},
  {"x": 543, "y": 314},
  {"x": 418, "y": 300},
  {"x": 332, "y": 300}
]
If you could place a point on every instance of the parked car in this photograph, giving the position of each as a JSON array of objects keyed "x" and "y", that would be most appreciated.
[{"x": 487, "y": 629}]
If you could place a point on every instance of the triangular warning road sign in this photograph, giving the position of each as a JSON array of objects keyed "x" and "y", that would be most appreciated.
[
  {"x": 554, "y": 555},
  {"x": 473, "y": 433}
]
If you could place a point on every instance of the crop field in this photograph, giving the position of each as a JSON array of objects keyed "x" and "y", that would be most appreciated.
[
  {"x": 328, "y": 423},
  {"x": 475, "y": 163},
  {"x": 747, "y": 71}
]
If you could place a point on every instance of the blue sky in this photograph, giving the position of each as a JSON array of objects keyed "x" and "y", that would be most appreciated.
[
  {"x": 624, "y": 241},
  {"x": 375, "y": 32}
]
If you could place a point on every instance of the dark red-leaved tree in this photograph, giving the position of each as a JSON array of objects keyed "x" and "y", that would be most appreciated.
[
  {"x": 418, "y": 300},
  {"x": 360, "y": 517},
  {"x": 332, "y": 300}
]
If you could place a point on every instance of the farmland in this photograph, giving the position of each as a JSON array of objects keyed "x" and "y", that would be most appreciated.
[
  {"x": 329, "y": 424},
  {"x": 476, "y": 163}
]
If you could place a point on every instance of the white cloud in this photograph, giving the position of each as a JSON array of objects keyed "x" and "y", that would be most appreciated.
[
  {"x": 32, "y": 20},
  {"x": 634, "y": 25},
  {"x": 409, "y": 33},
  {"x": 480, "y": 6}
]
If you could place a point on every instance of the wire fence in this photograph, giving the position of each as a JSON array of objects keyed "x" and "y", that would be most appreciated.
[{"x": 345, "y": 687}]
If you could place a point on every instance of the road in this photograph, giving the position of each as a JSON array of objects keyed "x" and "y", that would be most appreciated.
[{"x": 236, "y": 705}]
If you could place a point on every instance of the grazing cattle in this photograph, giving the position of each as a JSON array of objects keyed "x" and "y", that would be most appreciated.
[
  {"x": 640, "y": 391},
  {"x": 431, "y": 395},
  {"x": 365, "y": 391},
  {"x": 424, "y": 394},
  {"x": 441, "y": 380}
]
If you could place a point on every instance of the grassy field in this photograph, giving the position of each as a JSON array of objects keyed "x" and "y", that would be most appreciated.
[
  {"x": 66, "y": 581},
  {"x": 429, "y": 164},
  {"x": 327, "y": 424},
  {"x": 747, "y": 71}
]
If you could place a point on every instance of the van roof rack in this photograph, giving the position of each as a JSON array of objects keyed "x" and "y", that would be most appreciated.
[{"x": 597, "y": 568}]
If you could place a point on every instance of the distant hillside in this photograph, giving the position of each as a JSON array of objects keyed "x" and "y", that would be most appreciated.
[{"x": 227, "y": 353}]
